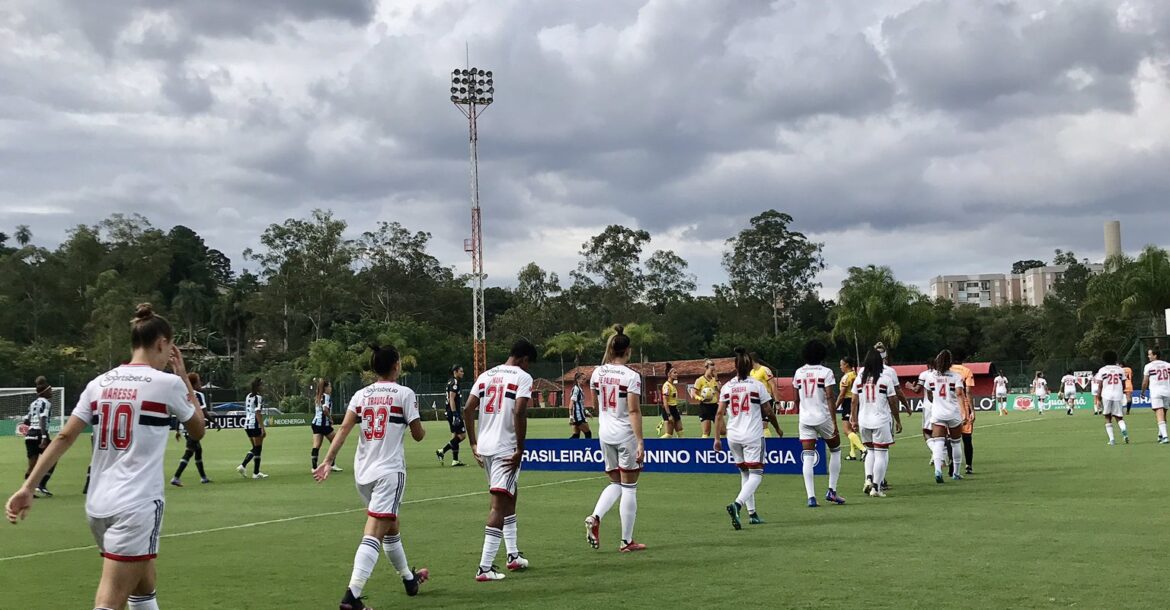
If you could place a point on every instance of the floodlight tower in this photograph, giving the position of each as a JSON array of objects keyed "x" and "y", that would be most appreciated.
[{"x": 472, "y": 91}]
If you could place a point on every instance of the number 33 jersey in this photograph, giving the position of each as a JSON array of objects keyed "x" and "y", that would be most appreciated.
[
  {"x": 498, "y": 390},
  {"x": 130, "y": 408},
  {"x": 613, "y": 384},
  {"x": 384, "y": 410}
]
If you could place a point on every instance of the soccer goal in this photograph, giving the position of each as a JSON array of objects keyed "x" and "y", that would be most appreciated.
[{"x": 14, "y": 403}]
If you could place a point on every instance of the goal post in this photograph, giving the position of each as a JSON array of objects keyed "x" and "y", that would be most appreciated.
[{"x": 14, "y": 404}]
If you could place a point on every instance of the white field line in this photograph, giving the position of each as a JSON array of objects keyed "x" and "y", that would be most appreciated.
[
  {"x": 297, "y": 518},
  {"x": 909, "y": 433}
]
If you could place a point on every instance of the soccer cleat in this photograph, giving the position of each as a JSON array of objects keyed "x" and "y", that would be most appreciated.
[
  {"x": 593, "y": 531},
  {"x": 733, "y": 512},
  {"x": 44, "y": 493},
  {"x": 259, "y": 475},
  {"x": 665, "y": 436},
  {"x": 850, "y": 458},
  {"x": 938, "y": 478},
  {"x": 205, "y": 480},
  {"x": 885, "y": 486},
  {"x": 240, "y": 469},
  {"x": 1126, "y": 437},
  {"x": 956, "y": 477},
  {"x": 868, "y": 486},
  {"x": 631, "y": 546},
  {"x": 176, "y": 482},
  {"x": 658, "y": 429},
  {"x": 352, "y": 602},
  {"x": 1070, "y": 411},
  {"x": 812, "y": 503},
  {"x": 420, "y": 576},
  {"x": 488, "y": 575},
  {"x": 439, "y": 456},
  {"x": 1111, "y": 443},
  {"x": 1164, "y": 441},
  {"x": 334, "y": 469},
  {"x": 457, "y": 464},
  {"x": 877, "y": 493},
  {"x": 755, "y": 519},
  {"x": 831, "y": 496},
  {"x": 517, "y": 562},
  {"x": 968, "y": 470},
  {"x": 864, "y": 454}
]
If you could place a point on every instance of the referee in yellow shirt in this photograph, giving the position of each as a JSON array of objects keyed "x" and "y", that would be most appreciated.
[
  {"x": 763, "y": 374},
  {"x": 706, "y": 391}
]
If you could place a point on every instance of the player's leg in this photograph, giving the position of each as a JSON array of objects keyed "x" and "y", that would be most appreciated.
[
  {"x": 609, "y": 496},
  {"x": 676, "y": 416},
  {"x": 1159, "y": 404},
  {"x": 628, "y": 508},
  {"x": 315, "y": 454},
  {"x": 257, "y": 450},
  {"x": 1109, "y": 426},
  {"x": 808, "y": 458},
  {"x": 834, "y": 445},
  {"x": 867, "y": 441},
  {"x": 588, "y": 431},
  {"x": 183, "y": 461},
  {"x": 455, "y": 444},
  {"x": 249, "y": 456},
  {"x": 938, "y": 448},
  {"x": 969, "y": 451},
  {"x": 1121, "y": 425},
  {"x": 956, "y": 435},
  {"x": 121, "y": 579}
]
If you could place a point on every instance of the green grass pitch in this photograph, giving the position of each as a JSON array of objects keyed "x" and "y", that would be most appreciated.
[{"x": 1052, "y": 518}]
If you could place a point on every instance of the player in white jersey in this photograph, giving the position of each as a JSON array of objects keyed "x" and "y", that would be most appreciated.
[
  {"x": 1068, "y": 391},
  {"x": 949, "y": 412},
  {"x": 875, "y": 409},
  {"x": 1001, "y": 393},
  {"x": 617, "y": 392},
  {"x": 813, "y": 388},
  {"x": 36, "y": 436},
  {"x": 194, "y": 446},
  {"x": 1040, "y": 391},
  {"x": 1156, "y": 381},
  {"x": 744, "y": 402},
  {"x": 322, "y": 423},
  {"x": 924, "y": 380},
  {"x": 499, "y": 400},
  {"x": 254, "y": 427},
  {"x": 382, "y": 412},
  {"x": 1111, "y": 390},
  {"x": 130, "y": 409},
  {"x": 1095, "y": 390}
]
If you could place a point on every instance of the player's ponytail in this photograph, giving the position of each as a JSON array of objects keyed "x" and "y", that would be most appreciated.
[
  {"x": 873, "y": 367},
  {"x": 943, "y": 362},
  {"x": 618, "y": 344},
  {"x": 743, "y": 363},
  {"x": 147, "y": 327},
  {"x": 384, "y": 359},
  {"x": 321, "y": 385},
  {"x": 256, "y": 386}
]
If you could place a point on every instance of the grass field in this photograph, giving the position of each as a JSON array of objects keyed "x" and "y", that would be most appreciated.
[{"x": 1052, "y": 518}]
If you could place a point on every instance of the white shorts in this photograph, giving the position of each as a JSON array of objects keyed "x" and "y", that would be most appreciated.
[
  {"x": 748, "y": 456},
  {"x": 826, "y": 430},
  {"x": 623, "y": 457},
  {"x": 878, "y": 437},
  {"x": 1160, "y": 402},
  {"x": 1070, "y": 395},
  {"x": 999, "y": 396},
  {"x": 501, "y": 478},
  {"x": 130, "y": 536},
  {"x": 1116, "y": 408},
  {"x": 384, "y": 496},
  {"x": 948, "y": 420},
  {"x": 926, "y": 408}
]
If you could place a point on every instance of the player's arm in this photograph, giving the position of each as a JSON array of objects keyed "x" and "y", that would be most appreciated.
[
  {"x": 21, "y": 501},
  {"x": 720, "y": 412},
  {"x": 831, "y": 398},
  {"x": 965, "y": 405},
  {"x": 44, "y": 428},
  {"x": 470, "y": 411},
  {"x": 326, "y": 466},
  {"x": 451, "y": 401},
  {"x": 893, "y": 400},
  {"x": 520, "y": 423},
  {"x": 633, "y": 403},
  {"x": 417, "y": 431},
  {"x": 901, "y": 397}
]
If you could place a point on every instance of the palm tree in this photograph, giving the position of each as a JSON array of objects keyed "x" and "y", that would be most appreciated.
[
  {"x": 873, "y": 305},
  {"x": 23, "y": 235},
  {"x": 642, "y": 337},
  {"x": 1147, "y": 285},
  {"x": 568, "y": 343},
  {"x": 190, "y": 302}
]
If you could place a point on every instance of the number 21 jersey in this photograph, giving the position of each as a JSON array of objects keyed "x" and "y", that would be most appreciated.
[
  {"x": 384, "y": 410},
  {"x": 498, "y": 390}
]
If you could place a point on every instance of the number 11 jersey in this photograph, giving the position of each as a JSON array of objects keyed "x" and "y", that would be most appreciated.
[{"x": 384, "y": 410}]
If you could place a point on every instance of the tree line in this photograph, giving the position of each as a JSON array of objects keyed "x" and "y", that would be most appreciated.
[{"x": 308, "y": 300}]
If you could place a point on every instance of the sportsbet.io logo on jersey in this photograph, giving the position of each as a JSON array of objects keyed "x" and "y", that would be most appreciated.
[{"x": 781, "y": 456}]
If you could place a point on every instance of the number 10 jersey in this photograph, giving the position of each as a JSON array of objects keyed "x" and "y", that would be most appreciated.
[{"x": 384, "y": 410}]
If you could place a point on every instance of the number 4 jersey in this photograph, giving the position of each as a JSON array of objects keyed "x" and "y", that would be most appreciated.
[
  {"x": 384, "y": 410},
  {"x": 130, "y": 408},
  {"x": 498, "y": 390}
]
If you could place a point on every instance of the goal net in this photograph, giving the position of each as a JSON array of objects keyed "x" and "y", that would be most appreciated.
[{"x": 14, "y": 403}]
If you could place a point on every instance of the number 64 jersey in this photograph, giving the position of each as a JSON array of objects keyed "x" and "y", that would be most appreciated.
[
  {"x": 384, "y": 410},
  {"x": 130, "y": 408}
]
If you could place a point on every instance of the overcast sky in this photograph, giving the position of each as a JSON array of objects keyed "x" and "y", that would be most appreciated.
[{"x": 933, "y": 137}]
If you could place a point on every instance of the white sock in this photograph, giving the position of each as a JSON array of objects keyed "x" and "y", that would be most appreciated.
[
  {"x": 1162, "y": 429},
  {"x": 363, "y": 564},
  {"x": 1124, "y": 428},
  {"x": 747, "y": 491},
  {"x": 609, "y": 496},
  {"x": 629, "y": 510},
  {"x": 870, "y": 459},
  {"x": 143, "y": 602},
  {"x": 750, "y": 501},
  {"x": 1109, "y": 431},
  {"x": 881, "y": 463},
  {"x": 392, "y": 547},
  {"x": 957, "y": 454},
  {"x": 808, "y": 459},
  {"x": 510, "y": 534},
  {"x": 491, "y": 546},
  {"x": 938, "y": 447},
  {"x": 834, "y": 467}
]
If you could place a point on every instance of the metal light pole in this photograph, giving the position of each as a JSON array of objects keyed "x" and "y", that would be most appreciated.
[{"x": 472, "y": 91}]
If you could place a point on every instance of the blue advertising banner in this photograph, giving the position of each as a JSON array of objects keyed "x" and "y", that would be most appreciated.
[{"x": 683, "y": 455}]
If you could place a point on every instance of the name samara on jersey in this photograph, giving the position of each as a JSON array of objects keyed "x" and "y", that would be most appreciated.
[
  {"x": 130, "y": 408},
  {"x": 498, "y": 390},
  {"x": 811, "y": 383},
  {"x": 745, "y": 399},
  {"x": 1159, "y": 373},
  {"x": 1112, "y": 382},
  {"x": 613, "y": 384},
  {"x": 384, "y": 410}
]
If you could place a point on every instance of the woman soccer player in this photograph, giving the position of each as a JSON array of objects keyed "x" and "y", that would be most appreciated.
[
  {"x": 1068, "y": 390},
  {"x": 578, "y": 416},
  {"x": 130, "y": 408},
  {"x": 812, "y": 386},
  {"x": 924, "y": 379},
  {"x": 1111, "y": 392},
  {"x": 617, "y": 390},
  {"x": 36, "y": 437},
  {"x": 745, "y": 402},
  {"x": 949, "y": 412},
  {"x": 254, "y": 426},
  {"x": 382, "y": 412},
  {"x": 671, "y": 418},
  {"x": 1001, "y": 393},
  {"x": 194, "y": 447},
  {"x": 1156, "y": 381},
  {"x": 848, "y": 366},
  {"x": 1040, "y": 391},
  {"x": 322, "y": 419},
  {"x": 875, "y": 406},
  {"x": 706, "y": 391}
]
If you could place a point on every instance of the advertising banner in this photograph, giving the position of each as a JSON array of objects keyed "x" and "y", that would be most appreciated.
[
  {"x": 1027, "y": 402},
  {"x": 288, "y": 419},
  {"x": 684, "y": 455}
]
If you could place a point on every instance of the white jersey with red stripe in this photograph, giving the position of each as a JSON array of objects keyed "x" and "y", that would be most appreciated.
[
  {"x": 744, "y": 400},
  {"x": 811, "y": 383},
  {"x": 498, "y": 390},
  {"x": 1069, "y": 383},
  {"x": 1112, "y": 382},
  {"x": 945, "y": 387},
  {"x": 1159, "y": 373},
  {"x": 130, "y": 408},
  {"x": 384, "y": 410},
  {"x": 1001, "y": 386},
  {"x": 613, "y": 384},
  {"x": 925, "y": 378},
  {"x": 873, "y": 406}
]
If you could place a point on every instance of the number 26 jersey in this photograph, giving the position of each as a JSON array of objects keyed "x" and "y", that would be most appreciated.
[
  {"x": 384, "y": 410},
  {"x": 613, "y": 384}
]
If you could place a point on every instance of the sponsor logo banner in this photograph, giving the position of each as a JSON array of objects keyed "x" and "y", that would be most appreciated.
[
  {"x": 288, "y": 419},
  {"x": 684, "y": 455}
]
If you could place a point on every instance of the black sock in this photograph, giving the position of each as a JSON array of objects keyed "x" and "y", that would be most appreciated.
[
  {"x": 455, "y": 451},
  {"x": 316, "y": 454},
  {"x": 576, "y": 435},
  {"x": 247, "y": 458},
  {"x": 588, "y": 434},
  {"x": 256, "y": 466},
  {"x": 181, "y": 468},
  {"x": 968, "y": 449},
  {"x": 45, "y": 479},
  {"x": 199, "y": 465},
  {"x": 446, "y": 448}
]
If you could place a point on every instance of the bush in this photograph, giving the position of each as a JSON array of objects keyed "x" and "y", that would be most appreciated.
[{"x": 296, "y": 404}]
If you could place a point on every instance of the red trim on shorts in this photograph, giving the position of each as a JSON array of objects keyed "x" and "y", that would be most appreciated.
[
  {"x": 501, "y": 490},
  {"x": 882, "y": 445},
  {"x": 154, "y": 407},
  {"x": 627, "y": 470},
  {"x": 129, "y": 558},
  {"x": 750, "y": 465},
  {"x": 381, "y": 515}
]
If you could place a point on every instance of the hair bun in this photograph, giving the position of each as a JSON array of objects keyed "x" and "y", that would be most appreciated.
[
  {"x": 739, "y": 351},
  {"x": 619, "y": 329},
  {"x": 375, "y": 347},
  {"x": 144, "y": 311}
]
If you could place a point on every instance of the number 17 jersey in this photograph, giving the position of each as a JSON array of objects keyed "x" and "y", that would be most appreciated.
[
  {"x": 498, "y": 390},
  {"x": 384, "y": 410},
  {"x": 614, "y": 383}
]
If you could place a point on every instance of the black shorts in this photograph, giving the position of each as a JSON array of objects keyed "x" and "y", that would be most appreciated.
[
  {"x": 254, "y": 432},
  {"x": 32, "y": 446},
  {"x": 577, "y": 417},
  {"x": 322, "y": 430},
  {"x": 193, "y": 445},
  {"x": 707, "y": 411},
  {"x": 846, "y": 408},
  {"x": 455, "y": 424}
]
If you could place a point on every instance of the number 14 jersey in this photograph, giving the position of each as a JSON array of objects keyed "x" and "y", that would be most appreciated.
[
  {"x": 384, "y": 410},
  {"x": 498, "y": 390},
  {"x": 613, "y": 384}
]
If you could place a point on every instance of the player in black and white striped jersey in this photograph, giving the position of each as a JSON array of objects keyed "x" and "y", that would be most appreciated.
[
  {"x": 194, "y": 446},
  {"x": 36, "y": 438},
  {"x": 322, "y": 423},
  {"x": 254, "y": 427}
]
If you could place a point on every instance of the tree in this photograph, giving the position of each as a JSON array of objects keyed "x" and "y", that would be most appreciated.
[
  {"x": 667, "y": 280},
  {"x": 398, "y": 277},
  {"x": 1147, "y": 285},
  {"x": 872, "y": 306},
  {"x": 569, "y": 343},
  {"x": 614, "y": 256},
  {"x": 1019, "y": 267},
  {"x": 329, "y": 359},
  {"x": 191, "y": 303},
  {"x": 109, "y": 320},
  {"x": 23, "y": 235},
  {"x": 771, "y": 263},
  {"x": 535, "y": 286},
  {"x": 643, "y": 337}
]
